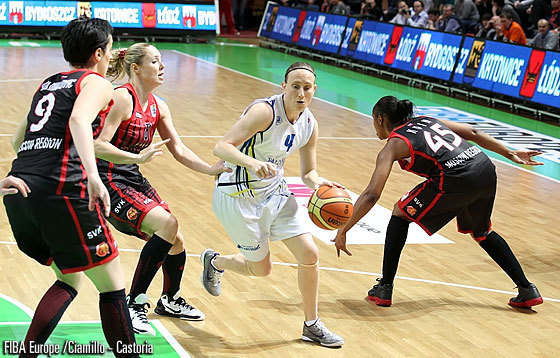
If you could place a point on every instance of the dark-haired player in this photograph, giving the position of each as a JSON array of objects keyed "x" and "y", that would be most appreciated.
[
  {"x": 460, "y": 182},
  {"x": 56, "y": 224}
]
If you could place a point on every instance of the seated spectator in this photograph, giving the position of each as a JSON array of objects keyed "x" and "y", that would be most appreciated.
[
  {"x": 555, "y": 16},
  {"x": 545, "y": 38},
  {"x": 487, "y": 25},
  {"x": 497, "y": 33},
  {"x": 512, "y": 30},
  {"x": 467, "y": 13},
  {"x": 371, "y": 10},
  {"x": 419, "y": 17},
  {"x": 325, "y": 6},
  {"x": 308, "y": 5},
  {"x": 535, "y": 10},
  {"x": 448, "y": 22},
  {"x": 403, "y": 15},
  {"x": 433, "y": 16},
  {"x": 338, "y": 7}
]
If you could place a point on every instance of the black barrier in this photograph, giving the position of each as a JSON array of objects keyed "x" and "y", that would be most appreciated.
[{"x": 513, "y": 70}]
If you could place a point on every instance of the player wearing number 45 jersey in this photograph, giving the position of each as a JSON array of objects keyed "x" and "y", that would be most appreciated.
[
  {"x": 55, "y": 223},
  {"x": 460, "y": 182}
]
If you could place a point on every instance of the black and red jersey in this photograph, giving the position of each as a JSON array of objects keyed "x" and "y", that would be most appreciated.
[
  {"x": 47, "y": 149},
  {"x": 133, "y": 135},
  {"x": 449, "y": 162}
]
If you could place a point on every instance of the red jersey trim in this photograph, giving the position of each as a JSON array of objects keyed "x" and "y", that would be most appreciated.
[
  {"x": 64, "y": 167},
  {"x": 404, "y": 165},
  {"x": 79, "y": 229}
]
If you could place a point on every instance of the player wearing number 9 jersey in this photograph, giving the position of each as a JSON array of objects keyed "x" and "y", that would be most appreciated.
[
  {"x": 60, "y": 223},
  {"x": 460, "y": 182}
]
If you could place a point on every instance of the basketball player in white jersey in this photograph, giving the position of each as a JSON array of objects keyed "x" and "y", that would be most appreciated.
[{"x": 253, "y": 202}]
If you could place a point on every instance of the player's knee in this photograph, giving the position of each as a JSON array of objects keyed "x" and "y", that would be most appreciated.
[
  {"x": 310, "y": 257},
  {"x": 260, "y": 269}
]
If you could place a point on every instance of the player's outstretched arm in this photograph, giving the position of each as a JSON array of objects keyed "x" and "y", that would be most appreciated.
[
  {"x": 178, "y": 149},
  {"x": 488, "y": 142}
]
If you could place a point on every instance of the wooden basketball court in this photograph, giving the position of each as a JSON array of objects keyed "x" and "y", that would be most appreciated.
[{"x": 449, "y": 300}]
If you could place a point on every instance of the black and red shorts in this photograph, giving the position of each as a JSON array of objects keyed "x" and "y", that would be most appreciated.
[
  {"x": 130, "y": 202},
  {"x": 60, "y": 228},
  {"x": 432, "y": 209}
]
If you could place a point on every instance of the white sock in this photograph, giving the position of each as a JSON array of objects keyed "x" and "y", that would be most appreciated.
[{"x": 312, "y": 322}]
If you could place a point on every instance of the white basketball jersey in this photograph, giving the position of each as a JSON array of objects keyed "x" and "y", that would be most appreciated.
[{"x": 273, "y": 145}]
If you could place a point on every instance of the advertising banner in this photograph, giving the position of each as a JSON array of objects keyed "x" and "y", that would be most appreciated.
[
  {"x": 119, "y": 14},
  {"x": 319, "y": 31}
]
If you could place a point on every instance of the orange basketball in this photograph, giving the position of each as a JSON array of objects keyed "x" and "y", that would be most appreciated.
[{"x": 330, "y": 208}]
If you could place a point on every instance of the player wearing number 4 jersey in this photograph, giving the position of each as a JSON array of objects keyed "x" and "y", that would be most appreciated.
[
  {"x": 253, "y": 202},
  {"x": 60, "y": 222},
  {"x": 460, "y": 182}
]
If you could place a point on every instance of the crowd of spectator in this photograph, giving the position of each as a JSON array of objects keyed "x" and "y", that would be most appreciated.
[{"x": 526, "y": 22}]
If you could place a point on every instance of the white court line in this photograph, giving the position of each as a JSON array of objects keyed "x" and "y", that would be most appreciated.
[
  {"x": 450, "y": 284},
  {"x": 28, "y": 311},
  {"x": 339, "y": 106},
  {"x": 219, "y": 136},
  {"x": 170, "y": 339}
]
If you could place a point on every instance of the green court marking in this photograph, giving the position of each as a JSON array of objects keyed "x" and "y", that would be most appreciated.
[
  {"x": 83, "y": 333},
  {"x": 12, "y": 311},
  {"x": 346, "y": 88}
]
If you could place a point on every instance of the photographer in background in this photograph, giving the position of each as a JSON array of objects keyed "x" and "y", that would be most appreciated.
[
  {"x": 419, "y": 17},
  {"x": 403, "y": 14}
]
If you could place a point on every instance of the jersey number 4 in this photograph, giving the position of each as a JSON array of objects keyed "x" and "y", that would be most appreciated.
[
  {"x": 436, "y": 142},
  {"x": 43, "y": 112}
]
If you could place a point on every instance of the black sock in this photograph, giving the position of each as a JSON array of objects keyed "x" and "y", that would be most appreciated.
[
  {"x": 150, "y": 260},
  {"x": 397, "y": 231},
  {"x": 500, "y": 252},
  {"x": 173, "y": 267},
  {"x": 115, "y": 320},
  {"x": 48, "y": 313}
]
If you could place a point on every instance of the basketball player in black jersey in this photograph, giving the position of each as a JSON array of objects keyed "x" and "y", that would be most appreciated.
[
  {"x": 58, "y": 220},
  {"x": 460, "y": 182},
  {"x": 125, "y": 142}
]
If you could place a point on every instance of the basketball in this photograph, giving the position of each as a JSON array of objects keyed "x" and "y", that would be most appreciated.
[{"x": 330, "y": 208}]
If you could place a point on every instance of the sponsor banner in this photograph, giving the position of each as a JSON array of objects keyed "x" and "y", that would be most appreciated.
[
  {"x": 319, "y": 31},
  {"x": 544, "y": 84},
  {"x": 513, "y": 137},
  {"x": 370, "y": 41},
  {"x": 281, "y": 26},
  {"x": 471, "y": 52},
  {"x": 429, "y": 53},
  {"x": 268, "y": 21},
  {"x": 348, "y": 33},
  {"x": 370, "y": 230},
  {"x": 181, "y": 16},
  {"x": 119, "y": 14},
  {"x": 502, "y": 68}
]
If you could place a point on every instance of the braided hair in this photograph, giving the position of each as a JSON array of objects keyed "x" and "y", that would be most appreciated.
[{"x": 397, "y": 111}]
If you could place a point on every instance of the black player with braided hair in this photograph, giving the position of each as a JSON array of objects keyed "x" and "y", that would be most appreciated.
[{"x": 460, "y": 182}]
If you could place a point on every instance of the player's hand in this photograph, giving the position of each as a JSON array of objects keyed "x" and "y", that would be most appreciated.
[
  {"x": 154, "y": 150},
  {"x": 340, "y": 243},
  {"x": 524, "y": 157},
  {"x": 96, "y": 190},
  {"x": 218, "y": 168},
  {"x": 264, "y": 169},
  {"x": 329, "y": 183},
  {"x": 12, "y": 185}
]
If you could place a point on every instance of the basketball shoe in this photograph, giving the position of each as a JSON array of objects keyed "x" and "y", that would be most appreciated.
[
  {"x": 318, "y": 333},
  {"x": 381, "y": 294},
  {"x": 138, "y": 312},
  {"x": 211, "y": 276},
  {"x": 176, "y": 306},
  {"x": 527, "y": 297}
]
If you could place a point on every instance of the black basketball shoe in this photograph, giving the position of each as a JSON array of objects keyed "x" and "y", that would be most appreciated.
[
  {"x": 527, "y": 297},
  {"x": 381, "y": 294}
]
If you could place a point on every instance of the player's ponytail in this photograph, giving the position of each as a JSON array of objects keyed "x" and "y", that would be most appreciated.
[
  {"x": 123, "y": 58},
  {"x": 397, "y": 112}
]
